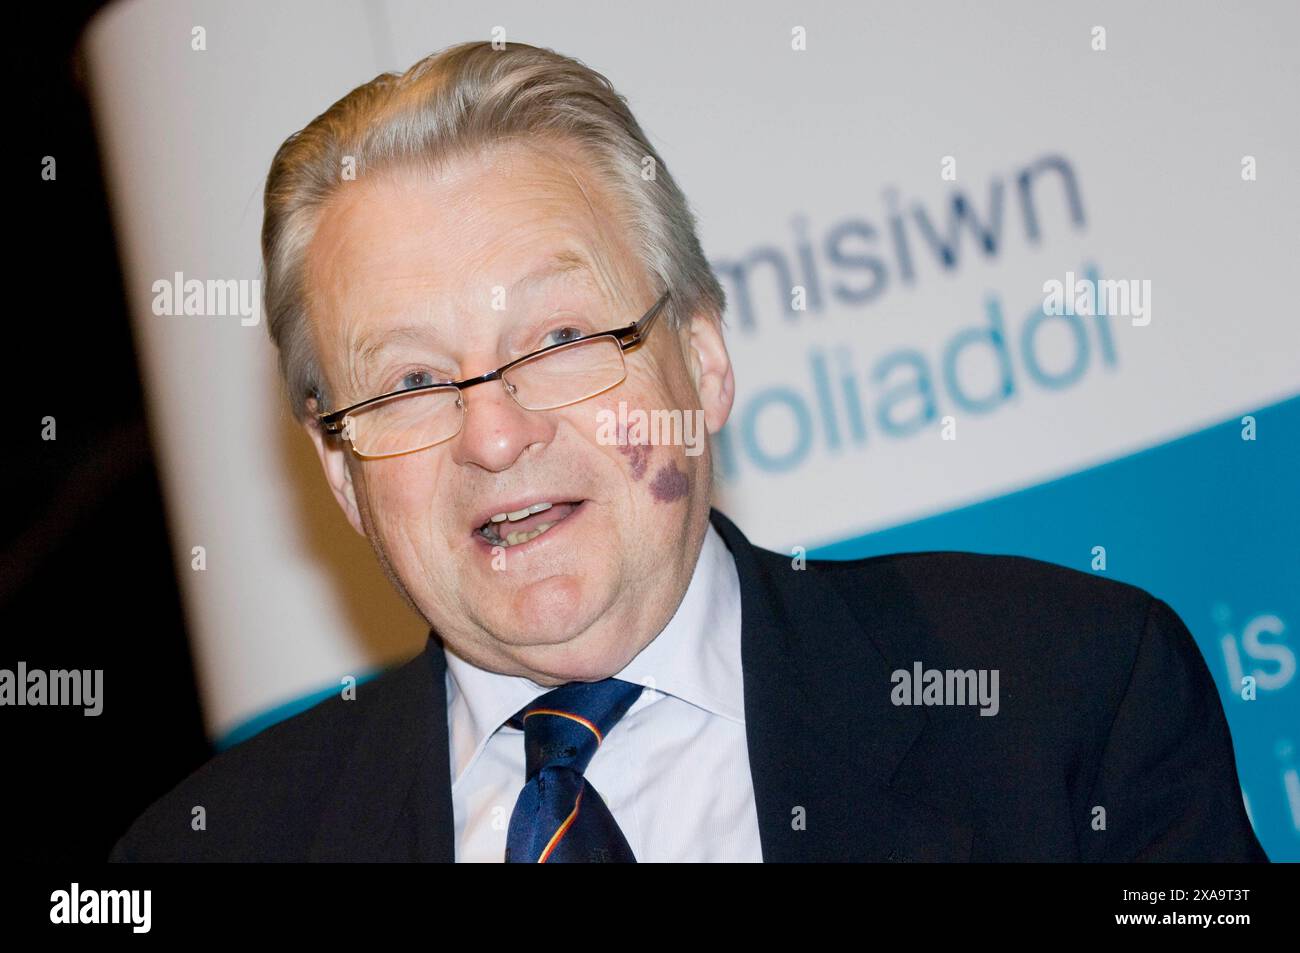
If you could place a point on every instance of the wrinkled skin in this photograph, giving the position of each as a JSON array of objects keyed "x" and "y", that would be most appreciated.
[{"x": 405, "y": 247}]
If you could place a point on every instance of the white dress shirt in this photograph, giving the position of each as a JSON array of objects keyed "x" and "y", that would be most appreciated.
[{"x": 674, "y": 771}]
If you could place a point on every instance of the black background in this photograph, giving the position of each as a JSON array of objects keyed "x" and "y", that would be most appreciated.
[{"x": 87, "y": 576}]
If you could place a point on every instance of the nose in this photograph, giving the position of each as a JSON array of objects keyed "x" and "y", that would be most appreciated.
[{"x": 496, "y": 429}]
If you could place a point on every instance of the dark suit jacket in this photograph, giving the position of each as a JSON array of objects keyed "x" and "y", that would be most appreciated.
[{"x": 1104, "y": 702}]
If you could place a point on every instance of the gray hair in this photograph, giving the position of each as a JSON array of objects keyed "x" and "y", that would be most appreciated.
[{"x": 456, "y": 102}]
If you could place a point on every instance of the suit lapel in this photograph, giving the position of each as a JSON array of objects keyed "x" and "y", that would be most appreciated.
[
  {"x": 392, "y": 800},
  {"x": 824, "y": 740}
]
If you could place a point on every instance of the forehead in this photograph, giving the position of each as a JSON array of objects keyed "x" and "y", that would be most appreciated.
[{"x": 408, "y": 244}]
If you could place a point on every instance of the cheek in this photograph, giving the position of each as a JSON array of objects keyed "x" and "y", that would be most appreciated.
[
  {"x": 605, "y": 423},
  {"x": 652, "y": 469},
  {"x": 635, "y": 455},
  {"x": 403, "y": 498},
  {"x": 669, "y": 484}
]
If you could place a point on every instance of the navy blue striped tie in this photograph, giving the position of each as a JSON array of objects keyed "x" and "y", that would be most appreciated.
[{"x": 559, "y": 817}]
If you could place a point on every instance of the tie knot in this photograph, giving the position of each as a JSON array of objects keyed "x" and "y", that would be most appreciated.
[{"x": 567, "y": 724}]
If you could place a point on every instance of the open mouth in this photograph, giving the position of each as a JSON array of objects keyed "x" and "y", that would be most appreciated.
[{"x": 525, "y": 524}]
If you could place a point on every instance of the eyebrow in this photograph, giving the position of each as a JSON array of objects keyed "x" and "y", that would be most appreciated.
[{"x": 409, "y": 334}]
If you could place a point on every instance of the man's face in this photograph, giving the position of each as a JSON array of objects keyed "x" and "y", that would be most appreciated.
[{"x": 466, "y": 259}]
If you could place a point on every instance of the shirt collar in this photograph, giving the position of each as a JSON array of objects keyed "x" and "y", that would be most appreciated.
[{"x": 696, "y": 658}]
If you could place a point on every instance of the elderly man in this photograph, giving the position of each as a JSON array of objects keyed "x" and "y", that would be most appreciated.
[{"x": 471, "y": 270}]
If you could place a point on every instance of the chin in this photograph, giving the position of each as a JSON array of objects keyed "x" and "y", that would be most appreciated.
[
  {"x": 598, "y": 654},
  {"x": 549, "y": 611}
]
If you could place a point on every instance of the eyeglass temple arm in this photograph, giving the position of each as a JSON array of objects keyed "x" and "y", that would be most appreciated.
[
  {"x": 335, "y": 426},
  {"x": 636, "y": 332}
]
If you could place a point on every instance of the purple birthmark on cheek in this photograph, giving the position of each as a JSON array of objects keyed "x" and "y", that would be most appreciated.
[
  {"x": 638, "y": 454},
  {"x": 669, "y": 484}
]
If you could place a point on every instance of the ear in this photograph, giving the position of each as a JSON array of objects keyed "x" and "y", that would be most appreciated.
[
  {"x": 333, "y": 452},
  {"x": 711, "y": 370}
]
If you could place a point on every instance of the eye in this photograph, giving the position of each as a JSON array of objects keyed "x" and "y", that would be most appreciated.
[
  {"x": 563, "y": 335},
  {"x": 420, "y": 377}
]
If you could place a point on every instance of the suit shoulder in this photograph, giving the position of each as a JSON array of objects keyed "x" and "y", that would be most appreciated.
[
  {"x": 1064, "y": 643},
  {"x": 994, "y": 580},
  {"x": 1027, "y": 617},
  {"x": 257, "y": 798}
]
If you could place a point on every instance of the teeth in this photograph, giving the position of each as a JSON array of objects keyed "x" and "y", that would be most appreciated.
[
  {"x": 492, "y": 533},
  {"x": 520, "y": 514},
  {"x": 514, "y": 539}
]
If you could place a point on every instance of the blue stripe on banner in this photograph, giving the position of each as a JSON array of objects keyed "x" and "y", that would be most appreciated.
[
  {"x": 259, "y": 723},
  {"x": 1209, "y": 523}
]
